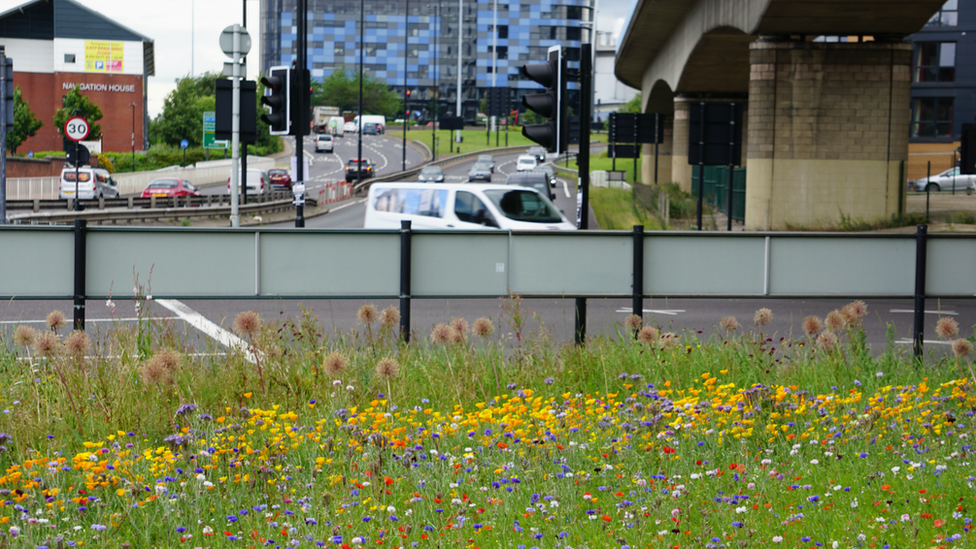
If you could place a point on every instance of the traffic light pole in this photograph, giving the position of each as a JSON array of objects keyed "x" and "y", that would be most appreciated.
[
  {"x": 300, "y": 126},
  {"x": 583, "y": 164}
]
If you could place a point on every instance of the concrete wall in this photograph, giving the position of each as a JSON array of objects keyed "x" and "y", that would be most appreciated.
[{"x": 828, "y": 131}]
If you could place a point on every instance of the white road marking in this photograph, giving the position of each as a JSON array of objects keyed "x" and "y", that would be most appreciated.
[
  {"x": 943, "y": 313},
  {"x": 347, "y": 204},
  {"x": 212, "y": 330},
  {"x": 671, "y": 312},
  {"x": 133, "y": 319},
  {"x": 565, "y": 188}
]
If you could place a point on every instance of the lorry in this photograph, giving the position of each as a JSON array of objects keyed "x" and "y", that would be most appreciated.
[{"x": 321, "y": 116}]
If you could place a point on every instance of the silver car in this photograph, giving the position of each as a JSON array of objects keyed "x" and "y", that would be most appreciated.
[
  {"x": 948, "y": 180},
  {"x": 480, "y": 172},
  {"x": 431, "y": 174},
  {"x": 487, "y": 159}
]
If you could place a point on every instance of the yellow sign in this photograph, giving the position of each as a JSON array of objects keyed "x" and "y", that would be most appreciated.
[{"x": 102, "y": 56}]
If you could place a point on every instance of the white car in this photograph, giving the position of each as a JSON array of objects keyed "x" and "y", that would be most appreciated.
[
  {"x": 324, "y": 142},
  {"x": 349, "y": 127},
  {"x": 525, "y": 163}
]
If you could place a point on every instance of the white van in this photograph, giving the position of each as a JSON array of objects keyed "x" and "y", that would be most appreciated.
[
  {"x": 377, "y": 119},
  {"x": 461, "y": 206},
  {"x": 257, "y": 181},
  {"x": 93, "y": 183}
]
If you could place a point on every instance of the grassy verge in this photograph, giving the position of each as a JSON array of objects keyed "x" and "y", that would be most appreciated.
[
  {"x": 615, "y": 209},
  {"x": 466, "y": 438}
]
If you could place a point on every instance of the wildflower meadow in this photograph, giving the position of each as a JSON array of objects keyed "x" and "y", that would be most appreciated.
[{"x": 484, "y": 433}]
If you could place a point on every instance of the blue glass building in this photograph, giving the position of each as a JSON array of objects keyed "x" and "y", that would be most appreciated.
[{"x": 422, "y": 52}]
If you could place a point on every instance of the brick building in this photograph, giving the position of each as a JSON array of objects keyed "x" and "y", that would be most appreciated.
[{"x": 58, "y": 44}]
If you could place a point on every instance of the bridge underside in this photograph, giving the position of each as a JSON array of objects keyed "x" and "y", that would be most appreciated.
[{"x": 826, "y": 123}]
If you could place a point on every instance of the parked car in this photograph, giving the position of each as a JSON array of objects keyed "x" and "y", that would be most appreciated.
[
  {"x": 324, "y": 143},
  {"x": 480, "y": 172},
  {"x": 538, "y": 152},
  {"x": 349, "y": 127},
  {"x": 257, "y": 181},
  {"x": 359, "y": 169},
  {"x": 431, "y": 174},
  {"x": 526, "y": 162},
  {"x": 91, "y": 183},
  {"x": 169, "y": 187},
  {"x": 534, "y": 180},
  {"x": 945, "y": 181},
  {"x": 550, "y": 172},
  {"x": 280, "y": 177},
  {"x": 487, "y": 159}
]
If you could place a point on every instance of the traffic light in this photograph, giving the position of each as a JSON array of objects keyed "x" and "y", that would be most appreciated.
[
  {"x": 301, "y": 124},
  {"x": 550, "y": 104},
  {"x": 8, "y": 99},
  {"x": 277, "y": 91}
]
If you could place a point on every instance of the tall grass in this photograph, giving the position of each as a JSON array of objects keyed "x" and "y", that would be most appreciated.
[{"x": 482, "y": 433}]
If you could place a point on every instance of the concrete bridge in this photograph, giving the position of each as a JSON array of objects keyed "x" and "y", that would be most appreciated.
[{"x": 826, "y": 120}]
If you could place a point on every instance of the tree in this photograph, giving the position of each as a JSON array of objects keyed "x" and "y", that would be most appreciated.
[
  {"x": 89, "y": 111},
  {"x": 25, "y": 123},
  {"x": 633, "y": 106},
  {"x": 183, "y": 108},
  {"x": 341, "y": 89}
]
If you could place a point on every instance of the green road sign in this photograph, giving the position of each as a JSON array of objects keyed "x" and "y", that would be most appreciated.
[{"x": 209, "y": 124}]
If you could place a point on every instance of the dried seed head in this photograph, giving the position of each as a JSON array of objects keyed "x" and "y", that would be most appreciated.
[
  {"x": 248, "y": 322},
  {"x": 827, "y": 340},
  {"x": 812, "y": 325},
  {"x": 335, "y": 364},
  {"x": 47, "y": 344},
  {"x": 729, "y": 323},
  {"x": 669, "y": 340},
  {"x": 835, "y": 321},
  {"x": 456, "y": 337},
  {"x": 647, "y": 335},
  {"x": 387, "y": 368},
  {"x": 483, "y": 327},
  {"x": 390, "y": 316},
  {"x": 77, "y": 344},
  {"x": 55, "y": 320},
  {"x": 367, "y": 314},
  {"x": 763, "y": 317},
  {"x": 169, "y": 359},
  {"x": 857, "y": 309},
  {"x": 460, "y": 325},
  {"x": 24, "y": 335},
  {"x": 962, "y": 347},
  {"x": 947, "y": 327},
  {"x": 633, "y": 323},
  {"x": 154, "y": 372},
  {"x": 441, "y": 333}
]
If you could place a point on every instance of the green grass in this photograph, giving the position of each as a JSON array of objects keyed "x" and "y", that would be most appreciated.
[
  {"x": 616, "y": 210},
  {"x": 498, "y": 439}
]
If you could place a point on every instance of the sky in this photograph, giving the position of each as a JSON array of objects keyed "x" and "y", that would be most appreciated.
[{"x": 180, "y": 38}]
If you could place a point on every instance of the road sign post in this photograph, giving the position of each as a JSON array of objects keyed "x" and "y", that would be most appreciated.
[
  {"x": 76, "y": 129},
  {"x": 235, "y": 43}
]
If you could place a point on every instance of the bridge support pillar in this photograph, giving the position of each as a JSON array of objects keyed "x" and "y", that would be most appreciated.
[{"x": 828, "y": 127}]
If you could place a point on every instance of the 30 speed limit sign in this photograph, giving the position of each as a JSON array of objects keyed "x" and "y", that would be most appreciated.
[{"x": 76, "y": 128}]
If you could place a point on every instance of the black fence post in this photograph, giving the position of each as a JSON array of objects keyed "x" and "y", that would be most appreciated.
[
  {"x": 81, "y": 232},
  {"x": 921, "y": 247},
  {"x": 405, "y": 233},
  {"x": 637, "y": 305}
]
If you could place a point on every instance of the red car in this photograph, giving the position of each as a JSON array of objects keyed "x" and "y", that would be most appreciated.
[
  {"x": 279, "y": 177},
  {"x": 170, "y": 188}
]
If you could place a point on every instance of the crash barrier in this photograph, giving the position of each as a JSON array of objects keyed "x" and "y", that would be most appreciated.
[
  {"x": 333, "y": 191},
  {"x": 84, "y": 263}
]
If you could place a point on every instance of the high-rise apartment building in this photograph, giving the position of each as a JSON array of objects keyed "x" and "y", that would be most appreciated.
[{"x": 492, "y": 39}]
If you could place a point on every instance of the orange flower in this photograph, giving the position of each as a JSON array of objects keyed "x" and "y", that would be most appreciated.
[
  {"x": 939, "y": 523},
  {"x": 885, "y": 487}
]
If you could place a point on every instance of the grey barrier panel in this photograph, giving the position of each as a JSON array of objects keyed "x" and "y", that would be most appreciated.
[
  {"x": 321, "y": 263},
  {"x": 37, "y": 262},
  {"x": 445, "y": 265},
  {"x": 848, "y": 266},
  {"x": 572, "y": 263},
  {"x": 951, "y": 267},
  {"x": 170, "y": 263},
  {"x": 696, "y": 265}
]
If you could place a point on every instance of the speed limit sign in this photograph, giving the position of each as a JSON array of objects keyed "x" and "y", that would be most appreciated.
[{"x": 76, "y": 128}]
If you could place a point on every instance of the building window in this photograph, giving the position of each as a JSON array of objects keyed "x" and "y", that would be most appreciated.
[
  {"x": 935, "y": 61},
  {"x": 69, "y": 58},
  {"x": 932, "y": 117},
  {"x": 948, "y": 16},
  {"x": 502, "y": 31},
  {"x": 502, "y": 52}
]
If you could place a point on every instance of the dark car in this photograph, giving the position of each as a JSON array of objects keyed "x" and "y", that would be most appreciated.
[
  {"x": 170, "y": 187},
  {"x": 359, "y": 169},
  {"x": 550, "y": 172},
  {"x": 480, "y": 172},
  {"x": 280, "y": 177},
  {"x": 431, "y": 174},
  {"x": 534, "y": 180},
  {"x": 487, "y": 159},
  {"x": 370, "y": 128},
  {"x": 538, "y": 152}
]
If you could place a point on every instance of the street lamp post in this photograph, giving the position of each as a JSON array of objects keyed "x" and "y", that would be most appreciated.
[
  {"x": 362, "y": 46},
  {"x": 406, "y": 72},
  {"x": 133, "y": 105}
]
